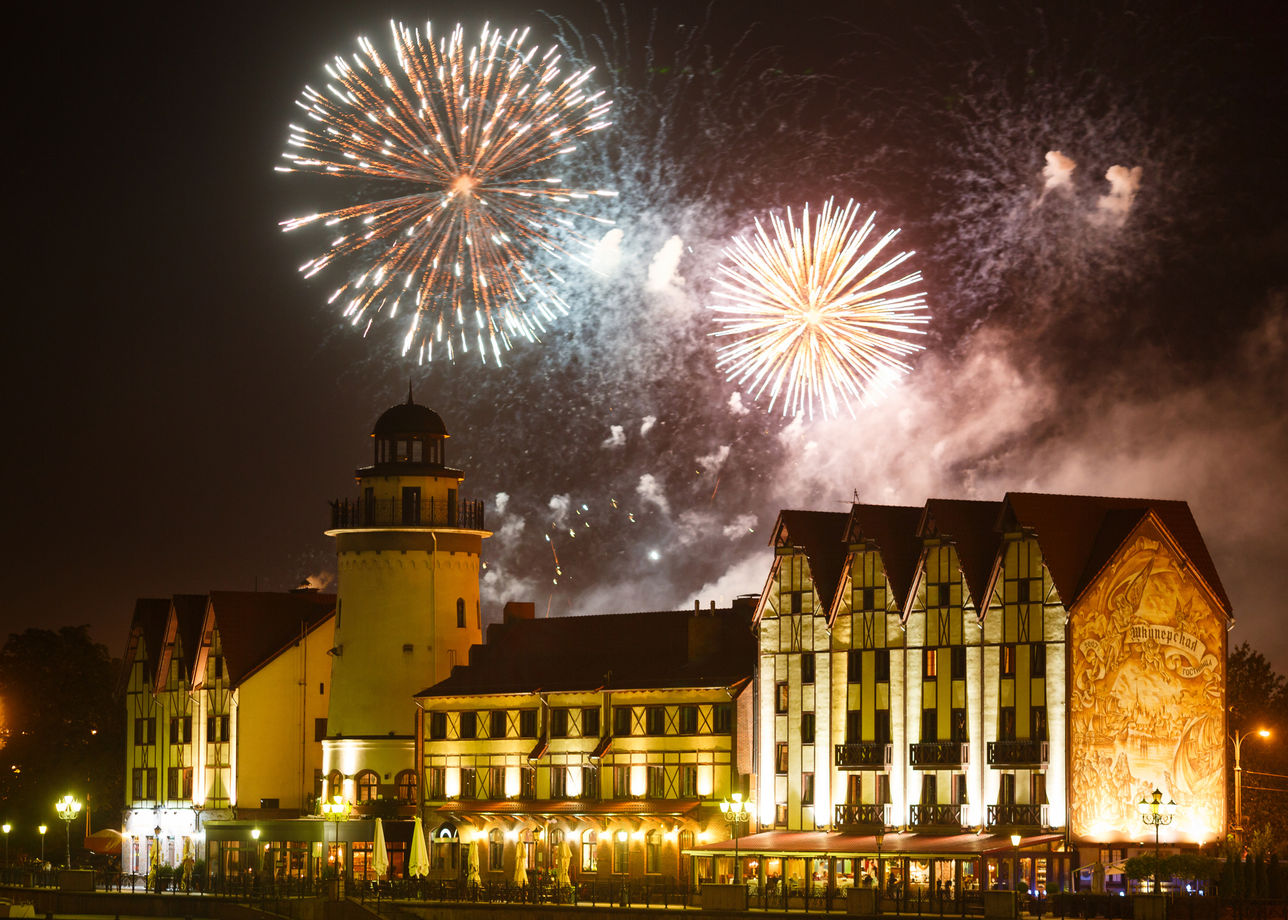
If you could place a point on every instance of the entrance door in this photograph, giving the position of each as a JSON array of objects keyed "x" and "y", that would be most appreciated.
[{"x": 411, "y": 504}]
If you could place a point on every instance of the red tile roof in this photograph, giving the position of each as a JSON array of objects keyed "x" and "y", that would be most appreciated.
[
  {"x": 821, "y": 535},
  {"x": 893, "y": 529},
  {"x": 255, "y": 626},
  {"x": 972, "y": 528}
]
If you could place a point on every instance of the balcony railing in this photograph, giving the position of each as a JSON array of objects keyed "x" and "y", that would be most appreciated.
[
  {"x": 935, "y": 815},
  {"x": 863, "y": 755},
  {"x": 1017, "y": 816},
  {"x": 859, "y": 817},
  {"x": 1026, "y": 752},
  {"x": 394, "y": 512},
  {"x": 930, "y": 755}
]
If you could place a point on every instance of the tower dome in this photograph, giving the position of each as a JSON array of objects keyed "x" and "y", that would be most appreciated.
[{"x": 409, "y": 433}]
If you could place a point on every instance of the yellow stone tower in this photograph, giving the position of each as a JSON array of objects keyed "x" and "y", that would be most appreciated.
[{"x": 408, "y": 605}]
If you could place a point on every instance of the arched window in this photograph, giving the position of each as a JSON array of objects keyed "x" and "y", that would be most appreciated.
[
  {"x": 334, "y": 784},
  {"x": 589, "y": 851},
  {"x": 653, "y": 852},
  {"x": 460, "y": 612},
  {"x": 367, "y": 783},
  {"x": 621, "y": 853},
  {"x": 406, "y": 786},
  {"x": 686, "y": 843},
  {"x": 495, "y": 849}
]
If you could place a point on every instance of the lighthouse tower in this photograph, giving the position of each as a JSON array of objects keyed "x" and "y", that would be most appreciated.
[{"x": 407, "y": 606}]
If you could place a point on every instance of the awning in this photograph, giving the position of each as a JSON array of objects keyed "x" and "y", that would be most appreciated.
[
  {"x": 105, "y": 842},
  {"x": 820, "y": 843},
  {"x": 669, "y": 808}
]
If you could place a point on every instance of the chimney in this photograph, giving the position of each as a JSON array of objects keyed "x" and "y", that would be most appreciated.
[
  {"x": 519, "y": 610},
  {"x": 704, "y": 635}
]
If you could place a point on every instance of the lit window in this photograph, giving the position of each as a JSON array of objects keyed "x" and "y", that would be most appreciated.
[{"x": 366, "y": 783}]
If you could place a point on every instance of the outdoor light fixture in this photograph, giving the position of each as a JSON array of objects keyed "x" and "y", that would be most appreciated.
[
  {"x": 1154, "y": 812},
  {"x": 736, "y": 812},
  {"x": 1237, "y": 738},
  {"x": 6, "y": 827},
  {"x": 336, "y": 809},
  {"x": 42, "y": 829},
  {"x": 1015, "y": 845},
  {"x": 68, "y": 808}
]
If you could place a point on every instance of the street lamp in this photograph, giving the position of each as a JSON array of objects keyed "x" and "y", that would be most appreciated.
[
  {"x": 6, "y": 827},
  {"x": 68, "y": 809},
  {"x": 880, "y": 836},
  {"x": 1154, "y": 812},
  {"x": 1237, "y": 738},
  {"x": 1015, "y": 868},
  {"x": 736, "y": 812},
  {"x": 42, "y": 829},
  {"x": 336, "y": 808},
  {"x": 254, "y": 835}
]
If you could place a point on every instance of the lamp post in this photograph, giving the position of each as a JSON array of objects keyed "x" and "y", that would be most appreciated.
[
  {"x": 6, "y": 827},
  {"x": 254, "y": 835},
  {"x": 880, "y": 837},
  {"x": 43, "y": 828},
  {"x": 1015, "y": 862},
  {"x": 1154, "y": 812},
  {"x": 1237, "y": 738},
  {"x": 736, "y": 812},
  {"x": 68, "y": 809},
  {"x": 336, "y": 808}
]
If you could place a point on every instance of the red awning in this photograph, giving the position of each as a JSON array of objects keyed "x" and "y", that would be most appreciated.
[
  {"x": 106, "y": 842},
  {"x": 818, "y": 843}
]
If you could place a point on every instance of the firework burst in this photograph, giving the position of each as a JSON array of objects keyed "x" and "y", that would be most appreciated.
[
  {"x": 815, "y": 318},
  {"x": 466, "y": 138}
]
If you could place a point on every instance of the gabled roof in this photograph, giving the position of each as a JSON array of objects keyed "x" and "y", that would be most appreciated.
[
  {"x": 971, "y": 526},
  {"x": 147, "y": 626},
  {"x": 625, "y": 651},
  {"x": 189, "y": 611},
  {"x": 893, "y": 530},
  {"x": 255, "y": 626},
  {"x": 821, "y": 535},
  {"x": 1079, "y": 534}
]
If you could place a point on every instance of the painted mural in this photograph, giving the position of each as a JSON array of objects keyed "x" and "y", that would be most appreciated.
[{"x": 1147, "y": 698}]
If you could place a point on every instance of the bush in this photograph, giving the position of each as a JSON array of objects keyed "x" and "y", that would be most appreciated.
[{"x": 163, "y": 878}]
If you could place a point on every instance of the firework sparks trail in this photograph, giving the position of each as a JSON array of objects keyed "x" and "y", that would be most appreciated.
[
  {"x": 468, "y": 138},
  {"x": 814, "y": 318}
]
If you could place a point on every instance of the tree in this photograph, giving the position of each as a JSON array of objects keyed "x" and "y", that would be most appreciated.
[
  {"x": 1257, "y": 697},
  {"x": 65, "y": 732}
]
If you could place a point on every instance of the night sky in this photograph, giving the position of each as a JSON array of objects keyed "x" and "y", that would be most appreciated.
[{"x": 183, "y": 404}]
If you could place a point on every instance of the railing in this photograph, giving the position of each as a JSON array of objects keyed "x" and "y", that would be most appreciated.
[
  {"x": 935, "y": 815},
  {"x": 1016, "y": 815},
  {"x": 1017, "y": 753},
  {"x": 863, "y": 755},
  {"x": 933, "y": 754},
  {"x": 855, "y": 816},
  {"x": 378, "y": 512}
]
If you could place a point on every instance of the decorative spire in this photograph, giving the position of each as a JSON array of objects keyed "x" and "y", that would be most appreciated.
[{"x": 410, "y": 401}]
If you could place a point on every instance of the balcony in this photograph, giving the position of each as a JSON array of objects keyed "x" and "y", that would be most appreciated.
[
  {"x": 935, "y": 816},
  {"x": 851, "y": 818},
  {"x": 352, "y": 513},
  {"x": 935, "y": 755},
  {"x": 1022, "y": 753},
  {"x": 1017, "y": 816},
  {"x": 863, "y": 755}
]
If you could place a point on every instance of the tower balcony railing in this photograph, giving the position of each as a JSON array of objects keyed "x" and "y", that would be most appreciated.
[
  {"x": 931, "y": 755},
  {"x": 395, "y": 512},
  {"x": 1017, "y": 753},
  {"x": 935, "y": 815},
  {"x": 858, "y": 817},
  {"x": 1017, "y": 816},
  {"x": 863, "y": 755}
]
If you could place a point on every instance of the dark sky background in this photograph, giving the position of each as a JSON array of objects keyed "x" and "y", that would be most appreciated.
[{"x": 182, "y": 404}]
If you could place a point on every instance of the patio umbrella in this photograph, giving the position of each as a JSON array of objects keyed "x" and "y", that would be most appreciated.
[
  {"x": 188, "y": 862},
  {"x": 379, "y": 852},
  {"x": 521, "y": 864},
  {"x": 563, "y": 856},
  {"x": 473, "y": 879},
  {"x": 418, "y": 863},
  {"x": 155, "y": 862},
  {"x": 1098, "y": 877}
]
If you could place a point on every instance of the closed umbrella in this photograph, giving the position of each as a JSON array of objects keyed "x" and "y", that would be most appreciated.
[
  {"x": 418, "y": 864},
  {"x": 563, "y": 856},
  {"x": 379, "y": 852},
  {"x": 521, "y": 865},
  {"x": 473, "y": 879}
]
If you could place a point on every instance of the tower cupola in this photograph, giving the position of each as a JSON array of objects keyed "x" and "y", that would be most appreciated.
[{"x": 408, "y": 434}]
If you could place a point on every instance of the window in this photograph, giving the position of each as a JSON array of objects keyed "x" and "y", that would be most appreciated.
[
  {"x": 217, "y": 728},
  {"x": 334, "y": 783},
  {"x": 145, "y": 731},
  {"x": 405, "y": 784},
  {"x": 410, "y": 504},
  {"x": 780, "y": 697},
  {"x": 854, "y": 663},
  {"x": 589, "y": 783},
  {"x": 1008, "y": 660},
  {"x": 868, "y": 599},
  {"x": 367, "y": 785},
  {"x": 653, "y": 852},
  {"x": 655, "y": 720},
  {"x": 558, "y": 782},
  {"x": 959, "y": 789},
  {"x": 930, "y": 789},
  {"x": 930, "y": 668},
  {"x": 807, "y": 728},
  {"x": 589, "y": 851},
  {"x": 1006, "y": 789},
  {"x": 496, "y": 723},
  {"x": 558, "y": 723},
  {"x": 527, "y": 723},
  {"x": 688, "y": 781},
  {"x": 780, "y": 757},
  {"x": 590, "y": 723},
  {"x": 929, "y": 725},
  {"x": 807, "y": 788},
  {"x": 437, "y": 726},
  {"x": 495, "y": 783},
  {"x": 957, "y": 722},
  {"x": 621, "y": 853},
  {"x": 1006, "y": 724},
  {"x": 527, "y": 782},
  {"x": 882, "y": 725},
  {"x": 1037, "y": 660},
  {"x": 219, "y": 666},
  {"x": 853, "y": 726},
  {"x": 319, "y": 729},
  {"x": 657, "y": 782},
  {"x": 688, "y": 720},
  {"x": 469, "y": 724},
  {"x": 621, "y": 781},
  {"x": 460, "y": 613},
  {"x": 143, "y": 783},
  {"x": 807, "y": 668},
  {"x": 469, "y": 783},
  {"x": 722, "y": 718},
  {"x": 495, "y": 849},
  {"x": 179, "y": 784},
  {"x": 959, "y": 662},
  {"x": 621, "y": 720},
  {"x": 436, "y": 779},
  {"x": 1037, "y": 789},
  {"x": 181, "y": 730},
  {"x": 780, "y": 814},
  {"x": 883, "y": 665}
]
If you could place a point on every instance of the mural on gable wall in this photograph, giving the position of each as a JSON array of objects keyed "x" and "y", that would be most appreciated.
[{"x": 1147, "y": 698}]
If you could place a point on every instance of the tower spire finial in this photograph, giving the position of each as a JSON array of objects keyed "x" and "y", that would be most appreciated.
[{"x": 409, "y": 399}]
